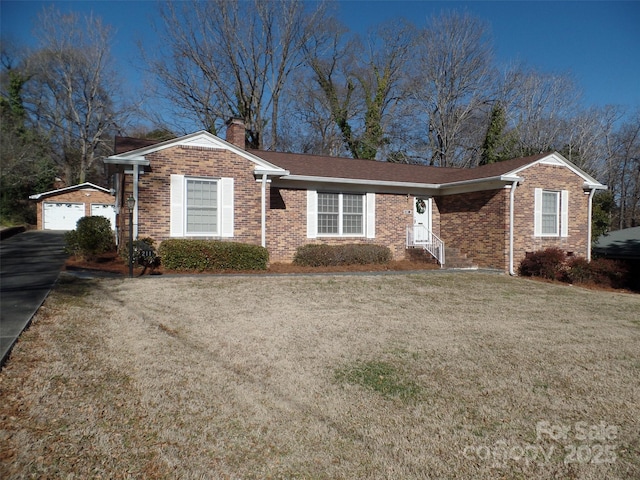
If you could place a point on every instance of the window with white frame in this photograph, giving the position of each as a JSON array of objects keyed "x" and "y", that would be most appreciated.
[
  {"x": 340, "y": 214},
  {"x": 201, "y": 206},
  {"x": 551, "y": 213}
]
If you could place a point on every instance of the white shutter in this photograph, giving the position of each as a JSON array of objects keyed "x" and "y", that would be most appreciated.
[
  {"x": 176, "y": 221},
  {"x": 227, "y": 219},
  {"x": 564, "y": 213},
  {"x": 312, "y": 214},
  {"x": 371, "y": 215},
  {"x": 537, "y": 213}
]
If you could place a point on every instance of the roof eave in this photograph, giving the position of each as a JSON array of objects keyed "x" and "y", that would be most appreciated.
[
  {"x": 271, "y": 172},
  {"x": 589, "y": 181},
  {"x": 473, "y": 181},
  {"x": 79, "y": 186},
  {"x": 357, "y": 181},
  {"x": 594, "y": 186},
  {"x": 121, "y": 160}
]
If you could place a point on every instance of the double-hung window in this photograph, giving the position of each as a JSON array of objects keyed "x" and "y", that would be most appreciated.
[
  {"x": 340, "y": 214},
  {"x": 551, "y": 213},
  {"x": 201, "y": 206}
]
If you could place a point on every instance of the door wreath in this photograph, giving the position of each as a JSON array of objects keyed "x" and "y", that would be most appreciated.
[{"x": 420, "y": 205}]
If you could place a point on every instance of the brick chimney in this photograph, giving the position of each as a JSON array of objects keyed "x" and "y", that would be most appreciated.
[{"x": 236, "y": 132}]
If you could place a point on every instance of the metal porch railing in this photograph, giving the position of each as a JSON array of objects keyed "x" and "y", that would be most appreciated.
[{"x": 420, "y": 236}]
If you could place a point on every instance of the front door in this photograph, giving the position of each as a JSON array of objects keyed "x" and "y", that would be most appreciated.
[{"x": 422, "y": 219}]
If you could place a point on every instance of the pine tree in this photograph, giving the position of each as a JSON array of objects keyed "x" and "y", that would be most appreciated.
[{"x": 493, "y": 145}]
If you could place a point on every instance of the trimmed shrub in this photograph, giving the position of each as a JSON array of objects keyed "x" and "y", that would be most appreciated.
[
  {"x": 609, "y": 273},
  {"x": 200, "y": 255},
  {"x": 579, "y": 270},
  {"x": 548, "y": 263},
  {"x": 314, "y": 255},
  {"x": 92, "y": 236},
  {"x": 553, "y": 264}
]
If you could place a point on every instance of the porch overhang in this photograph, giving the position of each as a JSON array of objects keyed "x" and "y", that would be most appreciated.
[
  {"x": 127, "y": 161},
  {"x": 478, "y": 184},
  {"x": 414, "y": 188},
  {"x": 357, "y": 184}
]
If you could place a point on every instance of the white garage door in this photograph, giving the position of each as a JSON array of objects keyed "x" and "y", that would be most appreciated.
[
  {"x": 102, "y": 210},
  {"x": 62, "y": 216}
]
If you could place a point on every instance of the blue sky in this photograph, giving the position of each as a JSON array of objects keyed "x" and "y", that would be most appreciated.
[{"x": 598, "y": 42}]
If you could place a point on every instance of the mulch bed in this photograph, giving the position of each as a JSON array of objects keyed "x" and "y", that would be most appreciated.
[{"x": 112, "y": 263}]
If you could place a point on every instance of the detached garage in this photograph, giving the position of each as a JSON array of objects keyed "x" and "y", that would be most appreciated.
[{"x": 61, "y": 209}]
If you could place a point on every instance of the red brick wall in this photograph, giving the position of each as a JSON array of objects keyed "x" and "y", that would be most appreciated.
[
  {"x": 477, "y": 224},
  {"x": 154, "y": 189},
  {"x": 287, "y": 224},
  {"x": 553, "y": 178},
  {"x": 286, "y": 208},
  {"x": 86, "y": 196}
]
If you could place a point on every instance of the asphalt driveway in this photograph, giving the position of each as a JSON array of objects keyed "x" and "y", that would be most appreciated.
[{"x": 29, "y": 266}]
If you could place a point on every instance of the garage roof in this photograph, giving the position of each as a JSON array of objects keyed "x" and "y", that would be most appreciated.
[{"x": 80, "y": 186}]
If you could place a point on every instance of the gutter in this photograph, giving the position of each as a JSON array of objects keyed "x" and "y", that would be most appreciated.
[
  {"x": 357, "y": 181},
  {"x": 592, "y": 190},
  {"x": 127, "y": 161},
  {"x": 273, "y": 173},
  {"x": 434, "y": 186}
]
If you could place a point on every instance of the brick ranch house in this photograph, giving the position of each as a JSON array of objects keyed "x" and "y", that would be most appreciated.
[{"x": 200, "y": 186}]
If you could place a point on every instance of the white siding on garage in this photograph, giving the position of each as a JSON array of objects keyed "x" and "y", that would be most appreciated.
[
  {"x": 104, "y": 210},
  {"x": 61, "y": 216}
]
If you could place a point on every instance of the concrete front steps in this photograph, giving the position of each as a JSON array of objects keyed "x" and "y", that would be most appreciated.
[{"x": 454, "y": 258}]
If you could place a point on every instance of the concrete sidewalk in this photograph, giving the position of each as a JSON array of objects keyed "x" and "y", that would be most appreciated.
[{"x": 30, "y": 263}]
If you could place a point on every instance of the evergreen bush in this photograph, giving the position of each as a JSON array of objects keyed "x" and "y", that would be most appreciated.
[
  {"x": 92, "y": 237},
  {"x": 201, "y": 255}
]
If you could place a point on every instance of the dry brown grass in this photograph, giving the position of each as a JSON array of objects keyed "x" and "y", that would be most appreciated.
[{"x": 253, "y": 377}]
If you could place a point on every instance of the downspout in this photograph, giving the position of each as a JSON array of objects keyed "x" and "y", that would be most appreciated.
[
  {"x": 264, "y": 210},
  {"x": 136, "y": 177},
  {"x": 589, "y": 213},
  {"x": 511, "y": 229}
]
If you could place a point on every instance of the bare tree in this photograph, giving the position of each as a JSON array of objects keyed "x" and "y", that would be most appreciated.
[
  {"x": 586, "y": 139},
  {"x": 624, "y": 174},
  {"x": 453, "y": 82},
  {"x": 540, "y": 107},
  {"x": 228, "y": 58},
  {"x": 72, "y": 89},
  {"x": 360, "y": 81},
  {"x": 383, "y": 81},
  {"x": 329, "y": 55},
  {"x": 308, "y": 126}
]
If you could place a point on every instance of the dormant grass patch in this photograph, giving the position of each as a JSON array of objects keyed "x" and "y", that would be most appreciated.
[{"x": 430, "y": 375}]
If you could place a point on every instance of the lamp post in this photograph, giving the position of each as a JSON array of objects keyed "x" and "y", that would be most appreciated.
[{"x": 131, "y": 202}]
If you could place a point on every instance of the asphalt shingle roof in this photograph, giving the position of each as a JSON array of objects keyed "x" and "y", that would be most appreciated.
[
  {"x": 619, "y": 244},
  {"x": 338, "y": 167},
  {"x": 348, "y": 168}
]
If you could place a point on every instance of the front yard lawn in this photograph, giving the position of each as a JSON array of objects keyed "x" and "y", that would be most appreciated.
[{"x": 434, "y": 375}]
